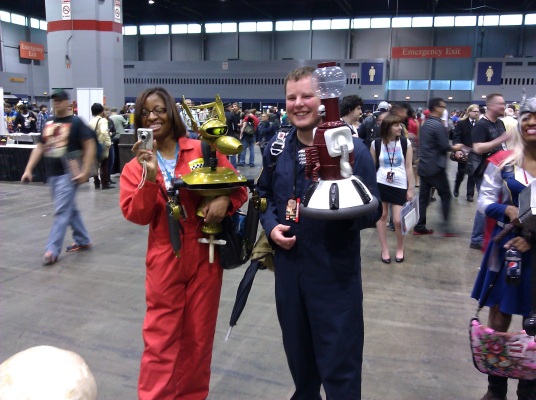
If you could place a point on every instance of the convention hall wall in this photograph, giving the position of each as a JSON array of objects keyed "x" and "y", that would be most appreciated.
[{"x": 252, "y": 66}]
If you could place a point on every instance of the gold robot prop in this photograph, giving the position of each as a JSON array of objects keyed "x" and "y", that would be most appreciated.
[{"x": 210, "y": 181}]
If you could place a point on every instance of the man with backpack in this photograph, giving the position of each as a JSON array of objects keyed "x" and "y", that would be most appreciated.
[
  {"x": 247, "y": 137},
  {"x": 99, "y": 123},
  {"x": 370, "y": 129},
  {"x": 63, "y": 137}
]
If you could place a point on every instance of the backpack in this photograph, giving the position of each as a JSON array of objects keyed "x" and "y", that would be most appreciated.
[
  {"x": 100, "y": 147},
  {"x": 249, "y": 129},
  {"x": 378, "y": 148}
]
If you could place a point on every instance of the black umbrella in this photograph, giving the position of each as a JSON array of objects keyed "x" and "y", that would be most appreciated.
[
  {"x": 242, "y": 293},
  {"x": 261, "y": 258}
]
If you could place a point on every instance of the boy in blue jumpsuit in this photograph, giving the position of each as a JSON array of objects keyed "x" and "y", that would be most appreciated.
[{"x": 318, "y": 289}]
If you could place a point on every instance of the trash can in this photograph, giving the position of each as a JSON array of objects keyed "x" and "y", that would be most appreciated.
[{"x": 126, "y": 141}]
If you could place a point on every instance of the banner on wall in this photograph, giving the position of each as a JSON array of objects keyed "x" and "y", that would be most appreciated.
[
  {"x": 66, "y": 9},
  {"x": 372, "y": 74},
  {"x": 432, "y": 52},
  {"x": 32, "y": 51},
  {"x": 489, "y": 73},
  {"x": 117, "y": 11}
]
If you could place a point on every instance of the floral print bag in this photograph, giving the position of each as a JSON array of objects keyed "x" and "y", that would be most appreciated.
[{"x": 506, "y": 354}]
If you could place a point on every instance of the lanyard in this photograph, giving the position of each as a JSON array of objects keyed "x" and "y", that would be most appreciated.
[
  {"x": 391, "y": 160},
  {"x": 168, "y": 176}
]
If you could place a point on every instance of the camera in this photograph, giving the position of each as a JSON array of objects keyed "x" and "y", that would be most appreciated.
[
  {"x": 146, "y": 137},
  {"x": 529, "y": 324}
]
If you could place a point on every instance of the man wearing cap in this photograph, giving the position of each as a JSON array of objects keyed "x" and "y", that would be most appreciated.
[
  {"x": 370, "y": 129},
  {"x": 68, "y": 147}
]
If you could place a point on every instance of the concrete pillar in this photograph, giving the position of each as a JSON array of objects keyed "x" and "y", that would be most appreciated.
[{"x": 87, "y": 49}]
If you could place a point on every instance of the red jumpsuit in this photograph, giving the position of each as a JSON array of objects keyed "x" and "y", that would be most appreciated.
[{"x": 182, "y": 294}]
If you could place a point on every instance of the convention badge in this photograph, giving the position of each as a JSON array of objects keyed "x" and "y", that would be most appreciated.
[
  {"x": 197, "y": 163},
  {"x": 390, "y": 176},
  {"x": 291, "y": 210}
]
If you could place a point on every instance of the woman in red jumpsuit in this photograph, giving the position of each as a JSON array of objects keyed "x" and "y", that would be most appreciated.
[{"x": 182, "y": 294}]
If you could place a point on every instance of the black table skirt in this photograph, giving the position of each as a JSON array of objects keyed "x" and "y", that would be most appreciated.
[{"x": 13, "y": 162}]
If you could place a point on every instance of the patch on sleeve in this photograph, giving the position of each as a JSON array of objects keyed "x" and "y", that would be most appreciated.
[{"x": 197, "y": 163}]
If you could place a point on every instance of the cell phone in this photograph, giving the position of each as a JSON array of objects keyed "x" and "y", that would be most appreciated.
[{"x": 146, "y": 137}]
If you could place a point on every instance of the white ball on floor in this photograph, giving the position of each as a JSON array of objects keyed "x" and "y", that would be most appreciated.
[{"x": 46, "y": 373}]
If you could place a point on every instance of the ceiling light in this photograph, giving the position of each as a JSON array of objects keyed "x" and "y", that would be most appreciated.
[
  {"x": 450, "y": 97},
  {"x": 407, "y": 97},
  {"x": 375, "y": 96},
  {"x": 151, "y": 1}
]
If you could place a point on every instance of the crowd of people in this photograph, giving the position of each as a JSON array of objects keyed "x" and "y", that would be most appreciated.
[{"x": 317, "y": 271}]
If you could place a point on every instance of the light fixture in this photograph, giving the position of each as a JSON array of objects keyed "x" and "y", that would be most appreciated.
[
  {"x": 375, "y": 96},
  {"x": 483, "y": 96},
  {"x": 151, "y": 1},
  {"x": 407, "y": 97},
  {"x": 450, "y": 97}
]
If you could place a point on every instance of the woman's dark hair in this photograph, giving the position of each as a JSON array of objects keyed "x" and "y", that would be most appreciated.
[
  {"x": 387, "y": 123},
  {"x": 177, "y": 126}
]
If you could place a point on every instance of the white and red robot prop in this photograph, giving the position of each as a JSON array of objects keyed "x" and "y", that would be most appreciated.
[{"x": 335, "y": 193}]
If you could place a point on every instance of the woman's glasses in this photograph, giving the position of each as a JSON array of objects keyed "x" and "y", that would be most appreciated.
[{"x": 158, "y": 111}]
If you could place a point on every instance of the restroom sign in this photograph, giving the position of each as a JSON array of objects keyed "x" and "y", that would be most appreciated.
[
  {"x": 117, "y": 11},
  {"x": 66, "y": 10}
]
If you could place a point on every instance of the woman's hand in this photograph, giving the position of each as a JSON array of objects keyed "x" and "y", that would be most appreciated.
[
  {"x": 519, "y": 243},
  {"x": 149, "y": 156},
  {"x": 216, "y": 209},
  {"x": 409, "y": 194},
  {"x": 278, "y": 236},
  {"x": 511, "y": 212}
]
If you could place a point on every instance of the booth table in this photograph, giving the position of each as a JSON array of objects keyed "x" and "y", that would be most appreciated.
[{"x": 13, "y": 160}]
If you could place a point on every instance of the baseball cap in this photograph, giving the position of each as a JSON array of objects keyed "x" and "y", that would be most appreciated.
[
  {"x": 227, "y": 104},
  {"x": 384, "y": 106},
  {"x": 60, "y": 94}
]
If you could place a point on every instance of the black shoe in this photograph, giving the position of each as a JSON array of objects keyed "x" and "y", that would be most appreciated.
[
  {"x": 386, "y": 260},
  {"x": 108, "y": 187},
  {"x": 470, "y": 199},
  {"x": 432, "y": 199},
  {"x": 456, "y": 193},
  {"x": 113, "y": 182},
  {"x": 476, "y": 246},
  {"x": 423, "y": 231}
]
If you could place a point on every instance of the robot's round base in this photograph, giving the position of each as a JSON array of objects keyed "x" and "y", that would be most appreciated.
[
  {"x": 214, "y": 183},
  {"x": 338, "y": 199}
]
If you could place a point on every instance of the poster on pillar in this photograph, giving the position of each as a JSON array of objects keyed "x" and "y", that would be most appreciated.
[
  {"x": 65, "y": 9},
  {"x": 117, "y": 11},
  {"x": 489, "y": 73},
  {"x": 372, "y": 74}
]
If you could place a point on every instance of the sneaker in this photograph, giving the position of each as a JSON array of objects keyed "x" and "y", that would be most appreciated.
[
  {"x": 423, "y": 231},
  {"x": 49, "y": 258},
  {"x": 476, "y": 246},
  {"x": 78, "y": 247}
]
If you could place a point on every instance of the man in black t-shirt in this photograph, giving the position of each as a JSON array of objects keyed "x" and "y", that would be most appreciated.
[
  {"x": 68, "y": 147},
  {"x": 489, "y": 136}
]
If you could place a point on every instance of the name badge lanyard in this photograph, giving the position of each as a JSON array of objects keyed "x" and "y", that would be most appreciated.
[
  {"x": 293, "y": 204},
  {"x": 168, "y": 176},
  {"x": 390, "y": 174}
]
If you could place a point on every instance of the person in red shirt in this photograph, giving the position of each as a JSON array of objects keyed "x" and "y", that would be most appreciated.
[
  {"x": 182, "y": 293},
  {"x": 247, "y": 137}
]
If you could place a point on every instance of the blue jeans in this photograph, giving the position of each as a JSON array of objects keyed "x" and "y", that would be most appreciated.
[
  {"x": 65, "y": 213},
  {"x": 477, "y": 235},
  {"x": 248, "y": 141}
]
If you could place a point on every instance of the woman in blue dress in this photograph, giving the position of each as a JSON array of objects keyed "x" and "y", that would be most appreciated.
[{"x": 507, "y": 174}]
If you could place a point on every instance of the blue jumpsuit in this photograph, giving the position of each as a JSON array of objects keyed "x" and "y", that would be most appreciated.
[{"x": 318, "y": 290}]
